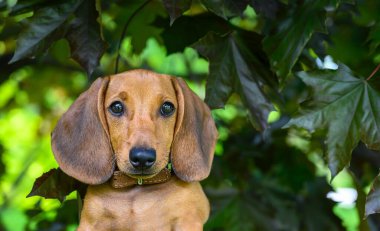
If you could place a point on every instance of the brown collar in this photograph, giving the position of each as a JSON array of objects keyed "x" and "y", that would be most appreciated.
[{"x": 121, "y": 180}]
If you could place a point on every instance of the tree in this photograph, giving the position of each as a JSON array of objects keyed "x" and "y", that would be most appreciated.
[{"x": 297, "y": 81}]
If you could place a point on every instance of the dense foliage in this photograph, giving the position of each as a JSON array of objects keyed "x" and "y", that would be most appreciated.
[{"x": 297, "y": 81}]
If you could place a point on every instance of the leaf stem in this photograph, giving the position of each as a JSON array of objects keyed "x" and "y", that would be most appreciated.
[
  {"x": 373, "y": 72},
  {"x": 125, "y": 30}
]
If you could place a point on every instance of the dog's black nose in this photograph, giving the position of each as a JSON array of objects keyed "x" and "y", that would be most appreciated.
[{"x": 142, "y": 158}]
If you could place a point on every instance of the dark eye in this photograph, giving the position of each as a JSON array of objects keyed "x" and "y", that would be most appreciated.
[
  {"x": 167, "y": 109},
  {"x": 116, "y": 108}
]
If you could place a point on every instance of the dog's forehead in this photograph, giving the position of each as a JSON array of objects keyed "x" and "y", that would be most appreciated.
[
  {"x": 140, "y": 83},
  {"x": 140, "y": 78}
]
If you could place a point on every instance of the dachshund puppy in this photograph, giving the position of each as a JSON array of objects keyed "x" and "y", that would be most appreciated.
[{"x": 142, "y": 141}]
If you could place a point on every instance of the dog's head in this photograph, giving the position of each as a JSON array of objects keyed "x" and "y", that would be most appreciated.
[{"x": 137, "y": 121}]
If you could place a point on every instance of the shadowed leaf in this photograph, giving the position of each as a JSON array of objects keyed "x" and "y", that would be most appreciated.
[
  {"x": 234, "y": 68},
  {"x": 347, "y": 106},
  {"x": 293, "y": 32},
  {"x": 42, "y": 29},
  {"x": 84, "y": 36},
  {"x": 361, "y": 198},
  {"x": 374, "y": 37},
  {"x": 54, "y": 184},
  {"x": 24, "y": 6},
  {"x": 267, "y": 8},
  {"x": 176, "y": 8},
  {"x": 268, "y": 207},
  {"x": 176, "y": 37},
  {"x": 372, "y": 204},
  {"x": 226, "y": 8}
]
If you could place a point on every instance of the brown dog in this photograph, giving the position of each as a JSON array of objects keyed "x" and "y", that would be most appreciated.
[{"x": 121, "y": 136}]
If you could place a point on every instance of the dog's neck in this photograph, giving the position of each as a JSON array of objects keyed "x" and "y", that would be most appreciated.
[{"x": 121, "y": 180}]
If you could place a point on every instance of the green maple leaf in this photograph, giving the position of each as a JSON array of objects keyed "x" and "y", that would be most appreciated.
[
  {"x": 43, "y": 28},
  {"x": 293, "y": 32},
  {"x": 348, "y": 107},
  {"x": 236, "y": 66},
  {"x": 85, "y": 37}
]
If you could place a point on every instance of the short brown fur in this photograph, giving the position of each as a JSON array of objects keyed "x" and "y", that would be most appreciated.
[{"x": 89, "y": 143}]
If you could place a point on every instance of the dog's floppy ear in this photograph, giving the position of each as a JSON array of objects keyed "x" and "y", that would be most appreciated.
[
  {"x": 80, "y": 141},
  {"x": 194, "y": 137}
]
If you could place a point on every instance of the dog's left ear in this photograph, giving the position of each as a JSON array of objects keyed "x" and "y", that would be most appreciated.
[
  {"x": 80, "y": 141},
  {"x": 195, "y": 135}
]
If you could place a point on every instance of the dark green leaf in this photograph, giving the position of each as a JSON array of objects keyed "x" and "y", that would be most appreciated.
[
  {"x": 348, "y": 107},
  {"x": 3, "y": 5},
  {"x": 239, "y": 215},
  {"x": 267, "y": 8},
  {"x": 42, "y": 29},
  {"x": 24, "y": 6},
  {"x": 54, "y": 184},
  {"x": 293, "y": 32},
  {"x": 84, "y": 36},
  {"x": 175, "y": 8},
  {"x": 234, "y": 68},
  {"x": 268, "y": 207},
  {"x": 176, "y": 37},
  {"x": 218, "y": 51},
  {"x": 315, "y": 210},
  {"x": 372, "y": 204},
  {"x": 226, "y": 8},
  {"x": 374, "y": 37},
  {"x": 360, "y": 201}
]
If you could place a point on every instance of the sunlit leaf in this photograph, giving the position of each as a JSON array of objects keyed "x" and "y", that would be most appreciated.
[
  {"x": 13, "y": 219},
  {"x": 84, "y": 36},
  {"x": 144, "y": 19},
  {"x": 42, "y": 29},
  {"x": 372, "y": 204},
  {"x": 54, "y": 184},
  {"x": 234, "y": 68},
  {"x": 348, "y": 107},
  {"x": 176, "y": 8},
  {"x": 2, "y": 166}
]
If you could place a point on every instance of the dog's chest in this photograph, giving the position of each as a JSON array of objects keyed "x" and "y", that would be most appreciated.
[{"x": 154, "y": 207}]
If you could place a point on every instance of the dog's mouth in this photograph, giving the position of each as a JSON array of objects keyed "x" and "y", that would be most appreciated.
[{"x": 142, "y": 173}]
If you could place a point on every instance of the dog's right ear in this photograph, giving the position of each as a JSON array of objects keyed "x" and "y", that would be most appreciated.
[
  {"x": 195, "y": 135},
  {"x": 80, "y": 141}
]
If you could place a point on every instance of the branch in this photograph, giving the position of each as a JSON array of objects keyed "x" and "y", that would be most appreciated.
[
  {"x": 373, "y": 72},
  {"x": 124, "y": 31}
]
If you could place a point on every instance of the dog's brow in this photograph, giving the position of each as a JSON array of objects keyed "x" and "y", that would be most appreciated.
[
  {"x": 165, "y": 97},
  {"x": 123, "y": 95}
]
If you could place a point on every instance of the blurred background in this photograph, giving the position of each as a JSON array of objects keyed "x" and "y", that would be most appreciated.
[{"x": 272, "y": 180}]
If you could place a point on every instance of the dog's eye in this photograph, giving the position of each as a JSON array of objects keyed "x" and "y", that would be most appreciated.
[
  {"x": 167, "y": 109},
  {"x": 116, "y": 108}
]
